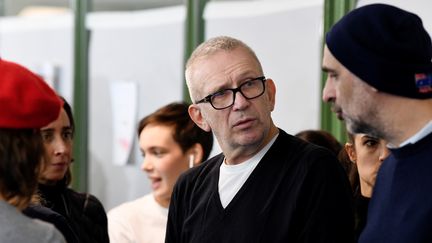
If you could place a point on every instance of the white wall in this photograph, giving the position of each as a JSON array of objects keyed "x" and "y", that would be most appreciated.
[
  {"x": 286, "y": 36},
  {"x": 422, "y": 8},
  {"x": 39, "y": 41},
  {"x": 145, "y": 47}
]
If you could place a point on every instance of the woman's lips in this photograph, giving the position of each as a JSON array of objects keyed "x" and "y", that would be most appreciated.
[{"x": 60, "y": 165}]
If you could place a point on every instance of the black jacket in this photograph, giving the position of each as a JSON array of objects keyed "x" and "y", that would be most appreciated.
[
  {"x": 84, "y": 212},
  {"x": 297, "y": 193},
  {"x": 45, "y": 214}
]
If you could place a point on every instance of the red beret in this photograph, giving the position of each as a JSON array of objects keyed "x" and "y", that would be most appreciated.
[{"x": 26, "y": 101}]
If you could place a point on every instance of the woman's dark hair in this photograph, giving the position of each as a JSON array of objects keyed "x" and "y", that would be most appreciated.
[
  {"x": 350, "y": 167},
  {"x": 321, "y": 138},
  {"x": 325, "y": 139},
  {"x": 186, "y": 132},
  {"x": 21, "y": 152},
  {"x": 67, "y": 179},
  {"x": 68, "y": 110}
]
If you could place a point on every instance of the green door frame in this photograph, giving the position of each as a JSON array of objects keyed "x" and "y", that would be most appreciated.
[
  {"x": 80, "y": 96},
  {"x": 194, "y": 33},
  {"x": 333, "y": 11}
]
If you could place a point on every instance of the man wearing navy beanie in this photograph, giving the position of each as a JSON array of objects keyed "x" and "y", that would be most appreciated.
[{"x": 378, "y": 60}]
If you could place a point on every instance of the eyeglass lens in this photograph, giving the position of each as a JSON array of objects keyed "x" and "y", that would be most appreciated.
[{"x": 225, "y": 98}]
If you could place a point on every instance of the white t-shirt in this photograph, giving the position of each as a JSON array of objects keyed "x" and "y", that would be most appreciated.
[
  {"x": 140, "y": 221},
  {"x": 232, "y": 177}
]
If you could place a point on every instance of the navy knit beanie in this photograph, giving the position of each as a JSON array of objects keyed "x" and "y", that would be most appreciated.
[{"x": 386, "y": 47}]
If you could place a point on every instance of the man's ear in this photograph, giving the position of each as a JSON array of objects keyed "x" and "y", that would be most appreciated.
[
  {"x": 271, "y": 91},
  {"x": 197, "y": 116},
  {"x": 349, "y": 147}
]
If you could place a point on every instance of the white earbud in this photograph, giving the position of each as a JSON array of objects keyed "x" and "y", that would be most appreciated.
[{"x": 191, "y": 160}]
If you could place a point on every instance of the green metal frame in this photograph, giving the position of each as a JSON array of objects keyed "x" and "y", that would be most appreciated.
[
  {"x": 333, "y": 11},
  {"x": 194, "y": 33},
  {"x": 80, "y": 100},
  {"x": 2, "y": 8}
]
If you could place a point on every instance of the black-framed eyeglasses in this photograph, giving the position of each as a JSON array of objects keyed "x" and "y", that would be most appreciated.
[{"x": 225, "y": 98}]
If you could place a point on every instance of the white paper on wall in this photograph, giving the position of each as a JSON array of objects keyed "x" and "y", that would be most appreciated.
[{"x": 124, "y": 96}]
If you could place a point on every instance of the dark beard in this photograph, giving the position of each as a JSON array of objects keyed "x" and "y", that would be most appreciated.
[{"x": 356, "y": 126}]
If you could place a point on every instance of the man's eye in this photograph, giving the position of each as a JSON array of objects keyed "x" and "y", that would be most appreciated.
[
  {"x": 220, "y": 93},
  {"x": 249, "y": 83},
  {"x": 332, "y": 75}
]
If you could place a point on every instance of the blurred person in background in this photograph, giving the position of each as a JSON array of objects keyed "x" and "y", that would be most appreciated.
[
  {"x": 170, "y": 143},
  {"x": 321, "y": 138}
]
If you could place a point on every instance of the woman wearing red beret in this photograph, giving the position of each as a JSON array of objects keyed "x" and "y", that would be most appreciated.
[{"x": 27, "y": 103}]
